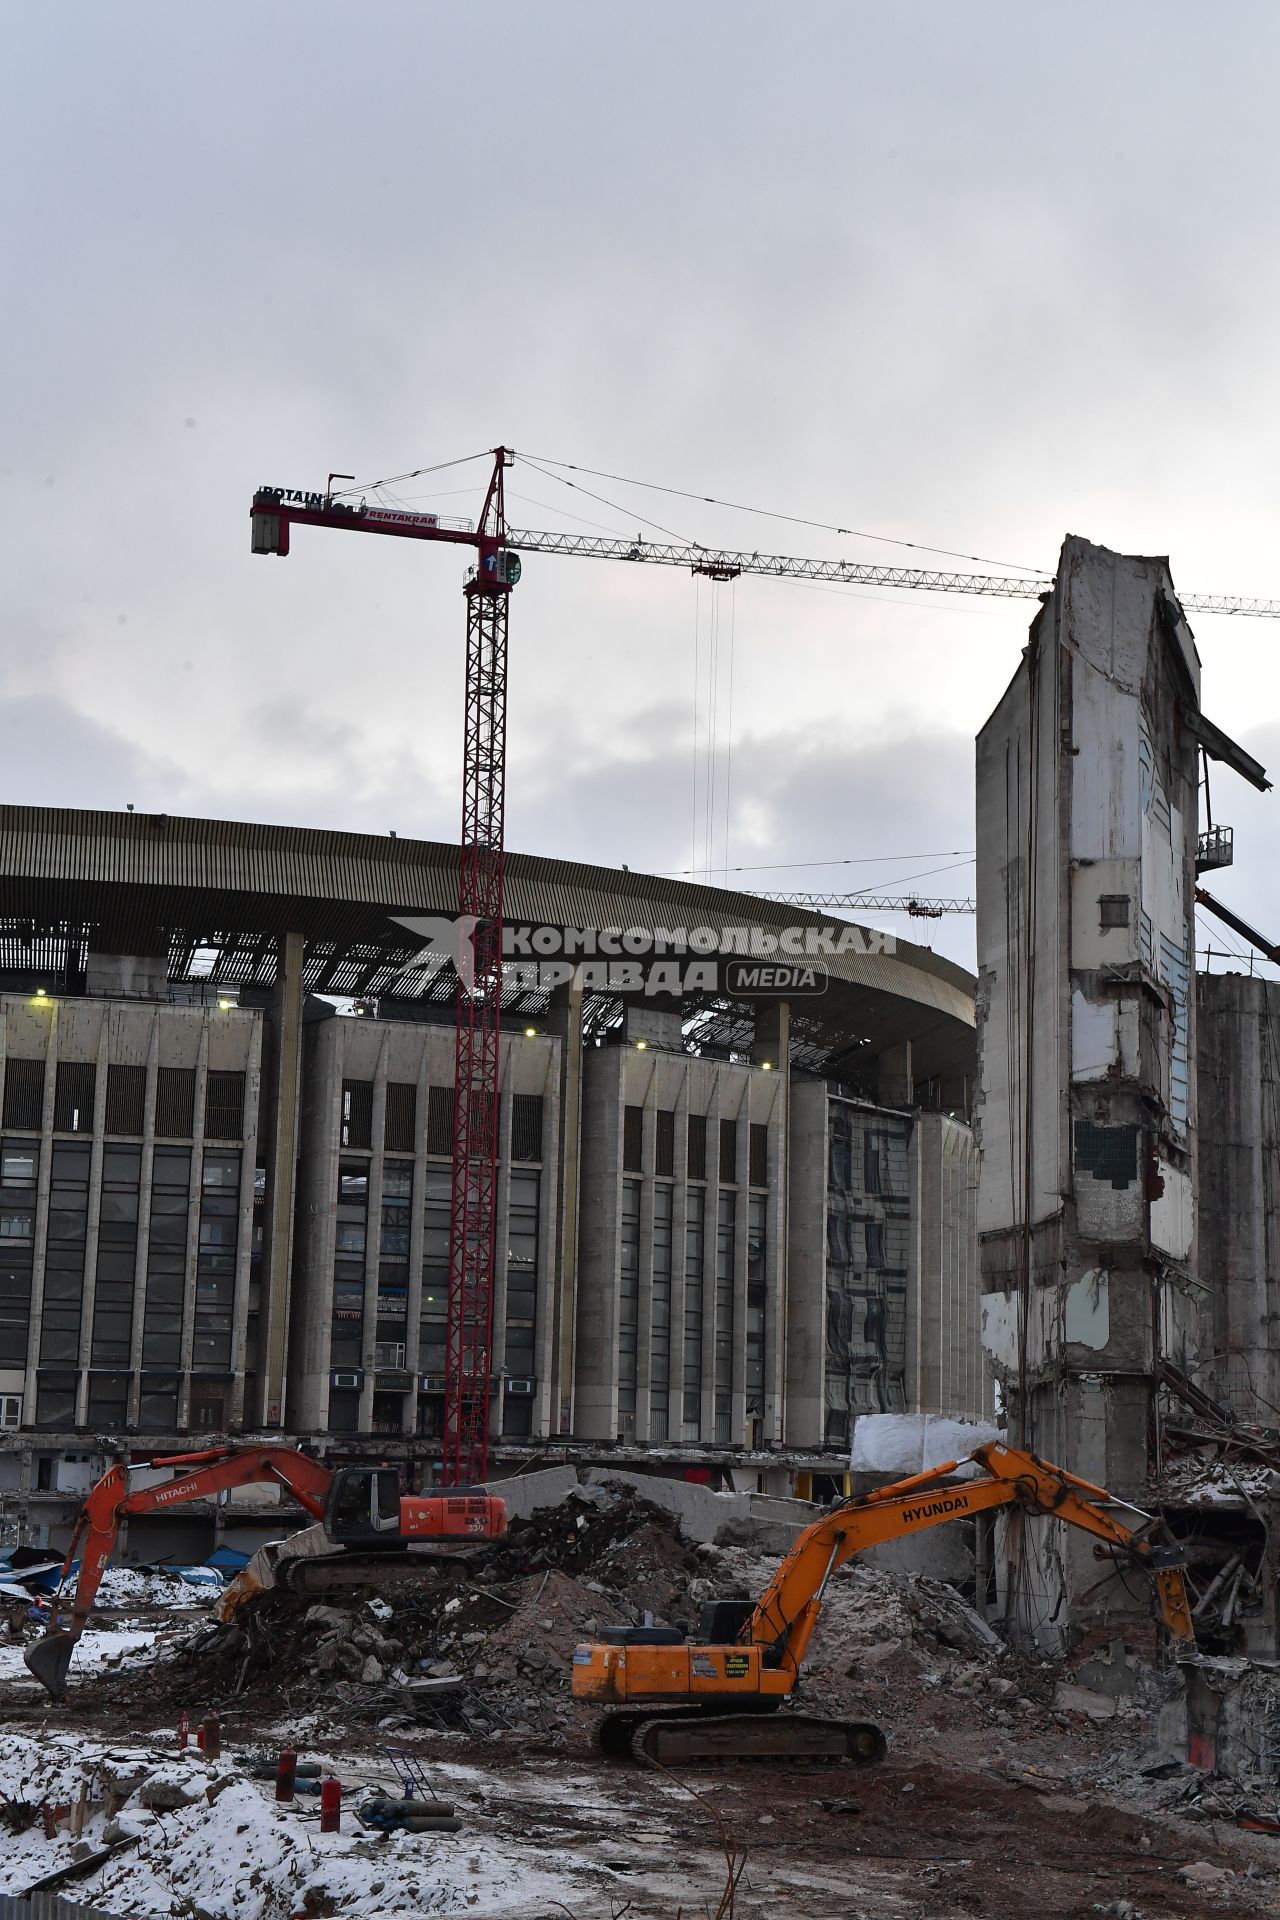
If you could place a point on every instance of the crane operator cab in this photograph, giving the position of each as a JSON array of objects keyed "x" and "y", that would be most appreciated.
[{"x": 363, "y": 1505}]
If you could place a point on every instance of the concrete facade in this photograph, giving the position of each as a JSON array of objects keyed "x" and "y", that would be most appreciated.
[
  {"x": 682, "y": 1265},
  {"x": 371, "y": 1273},
  {"x": 127, "y": 1191},
  {"x": 1239, "y": 1199},
  {"x": 884, "y": 1300}
]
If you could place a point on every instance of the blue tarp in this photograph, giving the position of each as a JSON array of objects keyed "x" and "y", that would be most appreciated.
[{"x": 228, "y": 1560}]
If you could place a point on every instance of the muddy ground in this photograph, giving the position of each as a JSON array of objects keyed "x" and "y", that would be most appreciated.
[{"x": 995, "y": 1800}]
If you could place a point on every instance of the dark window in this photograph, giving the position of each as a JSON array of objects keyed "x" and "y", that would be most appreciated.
[
  {"x": 357, "y": 1113},
  {"x": 872, "y": 1181},
  {"x": 664, "y": 1142},
  {"x": 126, "y": 1098},
  {"x": 56, "y": 1400},
  {"x": 158, "y": 1405},
  {"x": 697, "y": 1146},
  {"x": 526, "y": 1126},
  {"x": 440, "y": 1120},
  {"x": 24, "y": 1094},
  {"x": 1108, "y": 1153},
  {"x": 176, "y": 1102},
  {"x": 108, "y": 1399},
  {"x": 117, "y": 1259},
  {"x": 517, "y": 1416},
  {"x": 344, "y": 1409},
  {"x": 728, "y": 1149},
  {"x": 208, "y": 1404},
  {"x": 758, "y": 1152},
  {"x": 1113, "y": 910},
  {"x": 19, "y": 1160},
  {"x": 388, "y": 1417},
  {"x": 73, "y": 1097},
  {"x": 224, "y": 1106},
  {"x": 632, "y": 1138},
  {"x": 400, "y": 1129}
]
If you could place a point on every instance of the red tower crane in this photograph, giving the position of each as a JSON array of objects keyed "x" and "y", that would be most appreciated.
[
  {"x": 480, "y": 874},
  {"x": 479, "y": 989}
]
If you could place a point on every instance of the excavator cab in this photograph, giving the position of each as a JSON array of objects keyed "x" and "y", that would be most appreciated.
[{"x": 363, "y": 1505}]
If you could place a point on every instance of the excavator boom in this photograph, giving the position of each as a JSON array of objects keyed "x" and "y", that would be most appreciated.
[
  {"x": 748, "y": 1657},
  {"x": 197, "y": 1475},
  {"x": 356, "y": 1504}
]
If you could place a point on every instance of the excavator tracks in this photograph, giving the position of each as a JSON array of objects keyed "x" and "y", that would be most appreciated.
[
  {"x": 701, "y": 1739},
  {"x": 340, "y": 1572}
]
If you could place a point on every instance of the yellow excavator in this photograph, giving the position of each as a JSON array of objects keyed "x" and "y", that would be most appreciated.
[{"x": 677, "y": 1701}]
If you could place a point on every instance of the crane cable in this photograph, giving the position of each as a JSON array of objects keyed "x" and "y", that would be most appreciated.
[{"x": 794, "y": 519}]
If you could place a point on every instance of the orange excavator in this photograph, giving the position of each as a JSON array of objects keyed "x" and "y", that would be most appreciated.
[
  {"x": 676, "y": 1701},
  {"x": 363, "y": 1512}
]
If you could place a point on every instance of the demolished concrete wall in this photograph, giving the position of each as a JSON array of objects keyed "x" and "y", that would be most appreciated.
[{"x": 1087, "y": 817}]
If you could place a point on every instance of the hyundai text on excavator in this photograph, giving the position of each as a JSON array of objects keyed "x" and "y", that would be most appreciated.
[
  {"x": 364, "y": 1514},
  {"x": 677, "y": 1701}
]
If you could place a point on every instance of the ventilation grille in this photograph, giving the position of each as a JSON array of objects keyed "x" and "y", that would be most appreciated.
[
  {"x": 126, "y": 1099},
  {"x": 176, "y": 1103},
  {"x": 224, "y": 1106},
  {"x": 24, "y": 1094}
]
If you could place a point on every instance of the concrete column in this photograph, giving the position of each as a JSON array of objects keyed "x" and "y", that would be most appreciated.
[
  {"x": 564, "y": 1018},
  {"x": 596, "y": 1349},
  {"x": 772, "y": 1044},
  {"x": 89, "y": 1289},
  {"x": 373, "y": 1231},
  {"x": 895, "y": 1085},
  {"x": 501, "y": 1242},
  {"x": 644, "y": 1278},
  {"x": 193, "y": 1223},
  {"x": 311, "y": 1299},
  {"x": 417, "y": 1216},
  {"x": 244, "y": 1225},
  {"x": 741, "y": 1216},
  {"x": 546, "y": 1332},
  {"x": 710, "y": 1262},
  {"x": 679, "y": 1250},
  {"x": 281, "y": 1090},
  {"x": 144, "y": 1218},
  {"x": 41, "y": 1244},
  {"x": 806, "y": 1315}
]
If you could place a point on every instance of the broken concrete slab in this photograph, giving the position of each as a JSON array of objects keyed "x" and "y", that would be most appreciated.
[
  {"x": 526, "y": 1493},
  {"x": 1072, "y": 1699}
]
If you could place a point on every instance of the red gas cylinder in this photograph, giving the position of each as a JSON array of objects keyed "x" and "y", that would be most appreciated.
[
  {"x": 184, "y": 1727},
  {"x": 286, "y": 1767},
  {"x": 330, "y": 1805},
  {"x": 211, "y": 1736}
]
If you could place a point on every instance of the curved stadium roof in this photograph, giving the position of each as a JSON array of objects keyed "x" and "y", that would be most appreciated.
[{"x": 216, "y": 895}]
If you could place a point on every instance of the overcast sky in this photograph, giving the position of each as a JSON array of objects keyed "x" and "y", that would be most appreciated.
[{"x": 968, "y": 275}]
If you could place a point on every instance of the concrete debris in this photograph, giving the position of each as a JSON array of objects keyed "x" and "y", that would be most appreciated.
[
  {"x": 469, "y": 1670},
  {"x": 1205, "y": 1876}
]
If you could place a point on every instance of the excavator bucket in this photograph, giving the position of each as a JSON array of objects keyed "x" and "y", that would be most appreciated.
[{"x": 49, "y": 1660}]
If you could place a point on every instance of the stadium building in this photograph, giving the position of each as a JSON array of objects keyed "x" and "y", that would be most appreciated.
[{"x": 734, "y": 1211}]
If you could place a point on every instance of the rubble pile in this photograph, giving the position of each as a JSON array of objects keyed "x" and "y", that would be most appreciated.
[{"x": 478, "y": 1645}]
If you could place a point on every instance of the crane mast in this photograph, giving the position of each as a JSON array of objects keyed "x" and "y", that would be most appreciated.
[{"x": 478, "y": 1022}]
